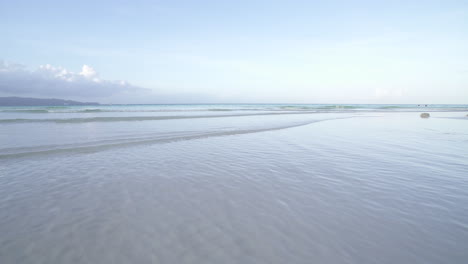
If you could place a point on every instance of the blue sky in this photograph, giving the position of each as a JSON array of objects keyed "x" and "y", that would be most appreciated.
[{"x": 236, "y": 51}]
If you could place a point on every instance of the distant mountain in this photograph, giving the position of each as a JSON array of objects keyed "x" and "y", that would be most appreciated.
[{"x": 21, "y": 101}]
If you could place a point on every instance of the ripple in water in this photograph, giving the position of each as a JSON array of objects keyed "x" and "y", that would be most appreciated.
[{"x": 386, "y": 189}]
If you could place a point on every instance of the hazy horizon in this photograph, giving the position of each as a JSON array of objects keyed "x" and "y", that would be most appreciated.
[
  {"x": 364, "y": 52},
  {"x": 82, "y": 103}
]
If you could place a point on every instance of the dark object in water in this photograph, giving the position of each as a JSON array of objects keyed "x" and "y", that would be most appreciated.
[{"x": 425, "y": 115}]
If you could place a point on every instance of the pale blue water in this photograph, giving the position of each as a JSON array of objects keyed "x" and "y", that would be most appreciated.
[
  {"x": 233, "y": 107},
  {"x": 234, "y": 184}
]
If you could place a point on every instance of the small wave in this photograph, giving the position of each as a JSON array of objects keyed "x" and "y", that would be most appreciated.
[
  {"x": 392, "y": 107},
  {"x": 90, "y": 147},
  {"x": 133, "y": 118},
  {"x": 91, "y": 111},
  {"x": 317, "y": 107},
  {"x": 295, "y": 108},
  {"x": 220, "y": 110},
  {"x": 339, "y": 107}
]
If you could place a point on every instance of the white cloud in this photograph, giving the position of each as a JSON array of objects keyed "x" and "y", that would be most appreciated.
[
  {"x": 57, "y": 82},
  {"x": 52, "y": 81},
  {"x": 88, "y": 72}
]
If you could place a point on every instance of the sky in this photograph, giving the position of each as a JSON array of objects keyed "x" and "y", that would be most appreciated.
[{"x": 214, "y": 51}]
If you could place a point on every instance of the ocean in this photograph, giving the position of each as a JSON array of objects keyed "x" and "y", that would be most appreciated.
[{"x": 234, "y": 183}]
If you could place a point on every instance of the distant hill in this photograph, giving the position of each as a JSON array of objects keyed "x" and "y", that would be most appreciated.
[{"x": 22, "y": 101}]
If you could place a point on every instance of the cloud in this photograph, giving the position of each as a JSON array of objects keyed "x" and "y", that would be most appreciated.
[
  {"x": 88, "y": 72},
  {"x": 52, "y": 81}
]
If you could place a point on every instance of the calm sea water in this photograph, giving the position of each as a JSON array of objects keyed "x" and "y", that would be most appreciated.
[{"x": 234, "y": 184}]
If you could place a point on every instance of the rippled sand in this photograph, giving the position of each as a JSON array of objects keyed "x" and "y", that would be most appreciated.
[{"x": 308, "y": 188}]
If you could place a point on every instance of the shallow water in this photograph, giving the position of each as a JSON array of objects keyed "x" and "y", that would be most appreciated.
[{"x": 341, "y": 187}]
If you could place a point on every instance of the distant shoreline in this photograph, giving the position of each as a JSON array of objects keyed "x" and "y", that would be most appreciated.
[{"x": 24, "y": 101}]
